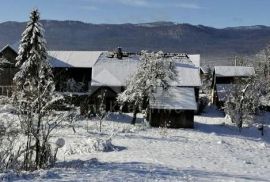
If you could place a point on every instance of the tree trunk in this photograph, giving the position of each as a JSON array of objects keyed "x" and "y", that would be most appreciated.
[
  {"x": 38, "y": 148},
  {"x": 27, "y": 153},
  {"x": 135, "y": 111},
  {"x": 37, "y": 154}
]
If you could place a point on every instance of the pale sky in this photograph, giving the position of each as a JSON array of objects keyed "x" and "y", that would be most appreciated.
[{"x": 216, "y": 13}]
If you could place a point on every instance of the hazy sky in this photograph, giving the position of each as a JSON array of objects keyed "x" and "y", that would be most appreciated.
[{"x": 217, "y": 13}]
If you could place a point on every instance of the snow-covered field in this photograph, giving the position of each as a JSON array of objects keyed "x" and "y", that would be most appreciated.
[{"x": 213, "y": 151}]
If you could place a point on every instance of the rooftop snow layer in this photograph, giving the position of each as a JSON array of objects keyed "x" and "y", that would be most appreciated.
[
  {"x": 187, "y": 75},
  {"x": 79, "y": 59},
  {"x": 229, "y": 71},
  {"x": 175, "y": 98},
  {"x": 196, "y": 59},
  {"x": 114, "y": 71}
]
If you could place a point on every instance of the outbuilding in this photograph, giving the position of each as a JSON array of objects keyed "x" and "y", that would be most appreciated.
[
  {"x": 173, "y": 108},
  {"x": 224, "y": 78}
]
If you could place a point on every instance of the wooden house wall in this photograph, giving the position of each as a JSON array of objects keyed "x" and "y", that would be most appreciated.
[
  {"x": 6, "y": 76},
  {"x": 7, "y": 71},
  {"x": 223, "y": 80},
  {"x": 93, "y": 102},
  {"x": 61, "y": 75},
  {"x": 171, "y": 118}
]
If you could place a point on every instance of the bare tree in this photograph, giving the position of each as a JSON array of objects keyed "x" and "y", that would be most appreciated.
[
  {"x": 243, "y": 101},
  {"x": 102, "y": 112},
  {"x": 156, "y": 70}
]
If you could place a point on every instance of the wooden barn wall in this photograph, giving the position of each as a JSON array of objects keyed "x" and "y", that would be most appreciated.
[
  {"x": 171, "y": 118},
  {"x": 225, "y": 80},
  {"x": 93, "y": 101},
  {"x": 6, "y": 76},
  {"x": 61, "y": 75},
  {"x": 7, "y": 71}
]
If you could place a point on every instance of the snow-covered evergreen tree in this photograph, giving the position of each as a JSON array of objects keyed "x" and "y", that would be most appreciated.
[
  {"x": 156, "y": 70},
  {"x": 34, "y": 92}
]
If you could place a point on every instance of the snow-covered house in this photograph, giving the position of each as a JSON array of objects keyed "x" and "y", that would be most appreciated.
[
  {"x": 7, "y": 69},
  {"x": 72, "y": 69},
  {"x": 173, "y": 108},
  {"x": 224, "y": 77},
  {"x": 111, "y": 73}
]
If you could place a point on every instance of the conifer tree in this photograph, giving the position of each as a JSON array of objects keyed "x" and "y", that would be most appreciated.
[{"x": 34, "y": 94}]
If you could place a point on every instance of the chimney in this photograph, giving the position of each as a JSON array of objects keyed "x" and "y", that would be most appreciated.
[{"x": 119, "y": 53}]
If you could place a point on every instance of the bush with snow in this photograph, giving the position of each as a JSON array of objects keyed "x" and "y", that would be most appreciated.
[
  {"x": 89, "y": 145},
  {"x": 11, "y": 146}
]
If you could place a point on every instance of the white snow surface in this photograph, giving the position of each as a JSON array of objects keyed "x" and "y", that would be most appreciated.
[
  {"x": 187, "y": 76},
  {"x": 116, "y": 72},
  {"x": 196, "y": 59},
  {"x": 213, "y": 151}
]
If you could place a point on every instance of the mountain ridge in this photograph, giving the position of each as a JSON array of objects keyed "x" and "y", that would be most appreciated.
[{"x": 212, "y": 43}]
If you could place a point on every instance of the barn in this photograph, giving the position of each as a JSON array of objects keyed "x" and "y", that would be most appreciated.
[
  {"x": 110, "y": 74},
  {"x": 224, "y": 77},
  {"x": 72, "y": 69},
  {"x": 173, "y": 108}
]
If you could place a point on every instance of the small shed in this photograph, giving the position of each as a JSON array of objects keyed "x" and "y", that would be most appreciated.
[
  {"x": 173, "y": 108},
  {"x": 224, "y": 77}
]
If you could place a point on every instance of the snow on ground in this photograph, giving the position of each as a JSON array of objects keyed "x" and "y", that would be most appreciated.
[{"x": 213, "y": 151}]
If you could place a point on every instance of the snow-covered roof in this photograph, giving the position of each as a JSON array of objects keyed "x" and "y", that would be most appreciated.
[
  {"x": 80, "y": 59},
  {"x": 8, "y": 46},
  {"x": 114, "y": 71},
  {"x": 229, "y": 71},
  {"x": 196, "y": 59},
  {"x": 187, "y": 75},
  {"x": 174, "y": 98}
]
